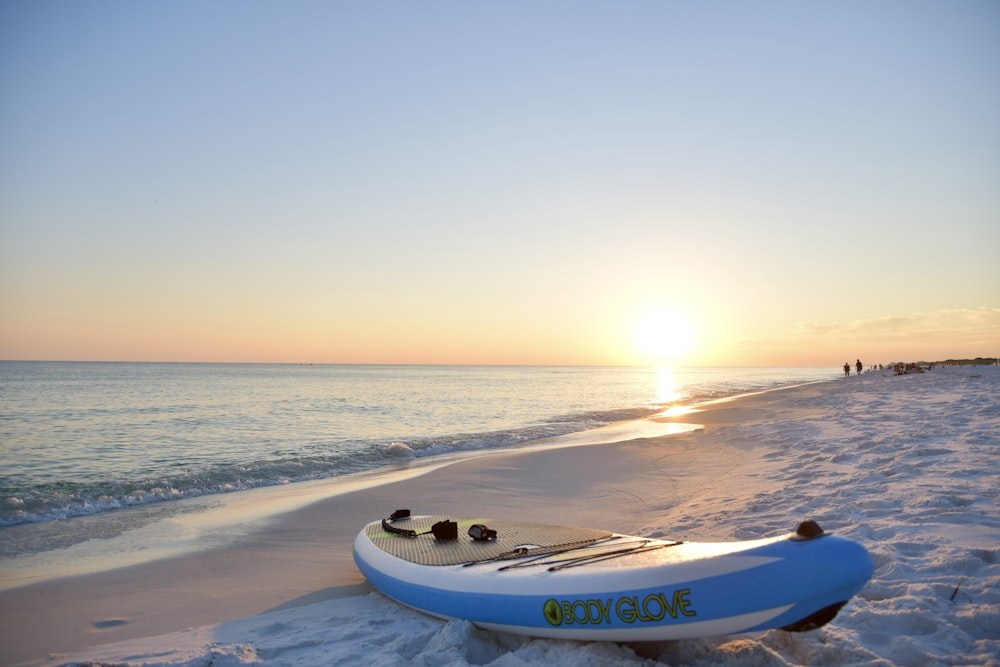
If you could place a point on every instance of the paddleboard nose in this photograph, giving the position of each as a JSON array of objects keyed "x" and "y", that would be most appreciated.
[{"x": 847, "y": 563}]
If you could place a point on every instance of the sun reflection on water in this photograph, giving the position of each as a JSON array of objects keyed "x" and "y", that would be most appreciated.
[
  {"x": 666, "y": 386},
  {"x": 668, "y": 394}
]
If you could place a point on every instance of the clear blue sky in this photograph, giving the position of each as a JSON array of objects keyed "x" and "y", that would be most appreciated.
[{"x": 499, "y": 182}]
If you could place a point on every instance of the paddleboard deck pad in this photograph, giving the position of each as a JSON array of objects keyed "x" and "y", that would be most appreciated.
[{"x": 567, "y": 582}]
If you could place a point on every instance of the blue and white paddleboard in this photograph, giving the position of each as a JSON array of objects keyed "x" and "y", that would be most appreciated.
[{"x": 580, "y": 583}]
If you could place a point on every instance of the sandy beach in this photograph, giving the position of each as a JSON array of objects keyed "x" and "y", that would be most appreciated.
[{"x": 906, "y": 465}]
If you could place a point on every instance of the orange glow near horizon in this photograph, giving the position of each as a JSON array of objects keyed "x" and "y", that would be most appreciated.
[{"x": 615, "y": 333}]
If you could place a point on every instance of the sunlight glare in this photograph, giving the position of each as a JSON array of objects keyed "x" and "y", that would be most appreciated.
[
  {"x": 669, "y": 394},
  {"x": 667, "y": 391},
  {"x": 664, "y": 335}
]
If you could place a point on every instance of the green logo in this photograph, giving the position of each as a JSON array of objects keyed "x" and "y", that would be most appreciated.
[
  {"x": 553, "y": 612},
  {"x": 652, "y": 608}
]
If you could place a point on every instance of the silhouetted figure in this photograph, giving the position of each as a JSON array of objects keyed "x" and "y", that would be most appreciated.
[
  {"x": 847, "y": 369},
  {"x": 859, "y": 366}
]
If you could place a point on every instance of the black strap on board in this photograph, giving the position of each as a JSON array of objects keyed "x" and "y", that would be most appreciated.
[
  {"x": 395, "y": 516},
  {"x": 442, "y": 530}
]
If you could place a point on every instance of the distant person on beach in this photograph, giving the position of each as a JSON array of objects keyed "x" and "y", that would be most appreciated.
[
  {"x": 847, "y": 369},
  {"x": 859, "y": 366}
]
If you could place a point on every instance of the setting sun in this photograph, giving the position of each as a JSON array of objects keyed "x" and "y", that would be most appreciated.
[{"x": 664, "y": 335}]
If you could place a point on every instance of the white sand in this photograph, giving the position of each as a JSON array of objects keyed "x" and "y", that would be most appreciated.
[{"x": 906, "y": 465}]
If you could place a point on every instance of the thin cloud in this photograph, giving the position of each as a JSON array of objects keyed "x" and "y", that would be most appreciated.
[{"x": 961, "y": 323}]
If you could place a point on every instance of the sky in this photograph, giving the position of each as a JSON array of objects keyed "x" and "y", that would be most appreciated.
[{"x": 556, "y": 182}]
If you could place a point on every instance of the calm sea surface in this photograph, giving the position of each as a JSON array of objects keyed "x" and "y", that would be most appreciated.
[{"x": 82, "y": 439}]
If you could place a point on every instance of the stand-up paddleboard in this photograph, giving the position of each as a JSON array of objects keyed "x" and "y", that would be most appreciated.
[{"x": 580, "y": 583}]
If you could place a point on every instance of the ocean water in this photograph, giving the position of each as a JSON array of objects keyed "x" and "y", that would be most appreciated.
[{"x": 84, "y": 439}]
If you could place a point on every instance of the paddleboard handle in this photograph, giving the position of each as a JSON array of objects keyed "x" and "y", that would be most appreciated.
[
  {"x": 808, "y": 530},
  {"x": 482, "y": 533}
]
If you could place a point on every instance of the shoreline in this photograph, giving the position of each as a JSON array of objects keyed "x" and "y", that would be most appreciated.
[
  {"x": 852, "y": 454},
  {"x": 140, "y": 534},
  {"x": 104, "y": 604},
  {"x": 322, "y": 433},
  {"x": 190, "y": 525}
]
